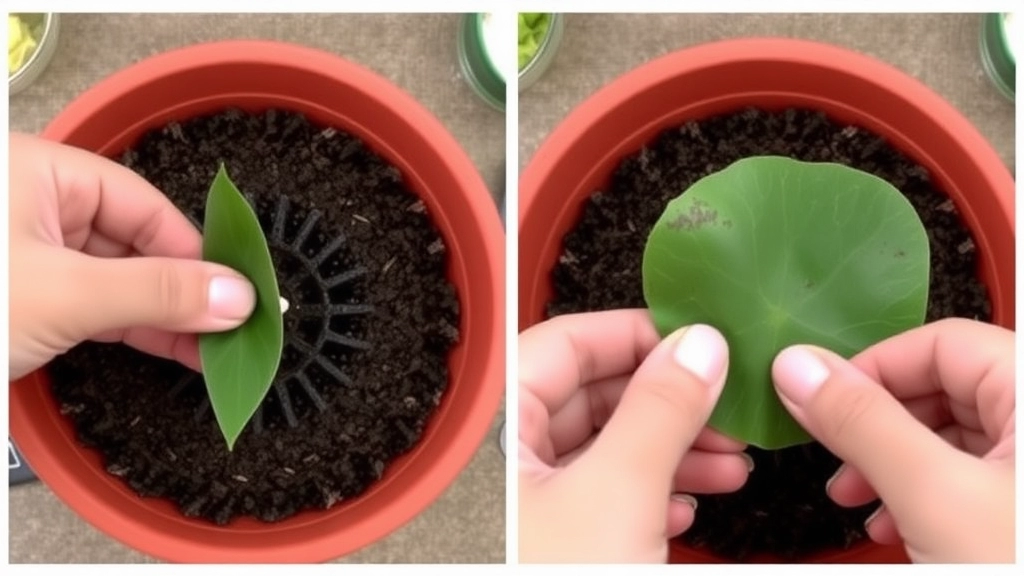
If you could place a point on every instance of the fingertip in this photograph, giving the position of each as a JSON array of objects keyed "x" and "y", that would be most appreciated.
[
  {"x": 703, "y": 351},
  {"x": 711, "y": 473},
  {"x": 682, "y": 510},
  {"x": 685, "y": 499},
  {"x": 831, "y": 480},
  {"x": 881, "y": 527},
  {"x": 749, "y": 461},
  {"x": 231, "y": 298},
  {"x": 848, "y": 488},
  {"x": 711, "y": 440},
  {"x": 798, "y": 373}
]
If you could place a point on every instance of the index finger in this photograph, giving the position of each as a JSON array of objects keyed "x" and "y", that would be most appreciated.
[
  {"x": 560, "y": 355},
  {"x": 98, "y": 193}
]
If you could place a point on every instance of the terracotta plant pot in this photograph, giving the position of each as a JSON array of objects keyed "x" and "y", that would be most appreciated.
[
  {"x": 254, "y": 76},
  {"x": 773, "y": 74}
]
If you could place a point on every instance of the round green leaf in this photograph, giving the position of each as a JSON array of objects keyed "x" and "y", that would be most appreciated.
[
  {"x": 773, "y": 252},
  {"x": 239, "y": 365}
]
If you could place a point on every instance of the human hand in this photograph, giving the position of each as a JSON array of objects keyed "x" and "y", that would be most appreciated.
[
  {"x": 611, "y": 436},
  {"x": 935, "y": 441},
  {"x": 96, "y": 252}
]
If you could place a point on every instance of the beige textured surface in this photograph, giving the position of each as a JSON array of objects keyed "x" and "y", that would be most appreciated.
[
  {"x": 939, "y": 50},
  {"x": 416, "y": 52}
]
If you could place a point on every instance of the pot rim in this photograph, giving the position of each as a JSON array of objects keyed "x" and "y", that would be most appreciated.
[
  {"x": 620, "y": 90},
  {"x": 153, "y": 525},
  {"x": 616, "y": 96}
]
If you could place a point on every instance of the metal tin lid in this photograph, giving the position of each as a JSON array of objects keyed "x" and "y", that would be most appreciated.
[
  {"x": 997, "y": 54},
  {"x": 481, "y": 73}
]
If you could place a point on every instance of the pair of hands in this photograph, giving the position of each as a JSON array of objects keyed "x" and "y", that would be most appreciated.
[
  {"x": 612, "y": 435},
  {"x": 74, "y": 217}
]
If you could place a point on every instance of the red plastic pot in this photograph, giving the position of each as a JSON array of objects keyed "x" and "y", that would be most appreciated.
[
  {"x": 254, "y": 76},
  {"x": 770, "y": 73}
]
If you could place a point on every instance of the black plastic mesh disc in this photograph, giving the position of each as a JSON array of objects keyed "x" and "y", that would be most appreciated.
[{"x": 371, "y": 321}]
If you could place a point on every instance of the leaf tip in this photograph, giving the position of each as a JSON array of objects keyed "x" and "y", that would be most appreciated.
[{"x": 230, "y": 438}]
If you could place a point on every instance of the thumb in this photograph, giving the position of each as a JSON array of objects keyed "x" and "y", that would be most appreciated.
[
  {"x": 861, "y": 423},
  {"x": 166, "y": 293},
  {"x": 664, "y": 407}
]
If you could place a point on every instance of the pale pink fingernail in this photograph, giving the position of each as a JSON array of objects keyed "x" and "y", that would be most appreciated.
[
  {"x": 749, "y": 460},
  {"x": 231, "y": 298},
  {"x": 685, "y": 499},
  {"x": 873, "y": 516},
  {"x": 798, "y": 373},
  {"x": 702, "y": 350},
  {"x": 828, "y": 483}
]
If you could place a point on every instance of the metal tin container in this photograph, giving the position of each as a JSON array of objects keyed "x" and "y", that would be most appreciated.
[
  {"x": 478, "y": 65},
  {"x": 41, "y": 56},
  {"x": 545, "y": 55},
  {"x": 997, "y": 55}
]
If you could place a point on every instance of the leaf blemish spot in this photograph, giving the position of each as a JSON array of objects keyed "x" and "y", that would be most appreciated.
[{"x": 695, "y": 218}]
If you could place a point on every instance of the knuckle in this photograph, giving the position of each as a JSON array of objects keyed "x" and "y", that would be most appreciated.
[
  {"x": 532, "y": 413},
  {"x": 170, "y": 293},
  {"x": 149, "y": 230}
]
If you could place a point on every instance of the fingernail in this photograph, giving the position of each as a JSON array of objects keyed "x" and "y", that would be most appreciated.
[
  {"x": 828, "y": 484},
  {"x": 873, "y": 516},
  {"x": 685, "y": 499},
  {"x": 799, "y": 373},
  {"x": 231, "y": 298},
  {"x": 702, "y": 350},
  {"x": 750, "y": 461}
]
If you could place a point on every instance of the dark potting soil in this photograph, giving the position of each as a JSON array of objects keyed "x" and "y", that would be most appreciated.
[
  {"x": 371, "y": 321},
  {"x": 782, "y": 510}
]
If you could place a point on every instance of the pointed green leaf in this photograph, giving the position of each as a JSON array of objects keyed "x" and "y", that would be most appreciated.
[
  {"x": 774, "y": 252},
  {"x": 239, "y": 365}
]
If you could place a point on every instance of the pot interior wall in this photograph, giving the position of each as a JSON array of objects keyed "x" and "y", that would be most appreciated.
[{"x": 603, "y": 141}]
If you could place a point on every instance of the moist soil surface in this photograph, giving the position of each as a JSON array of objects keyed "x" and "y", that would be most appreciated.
[
  {"x": 371, "y": 321},
  {"x": 783, "y": 510}
]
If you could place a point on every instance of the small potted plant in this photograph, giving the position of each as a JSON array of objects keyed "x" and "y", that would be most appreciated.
[
  {"x": 595, "y": 190},
  {"x": 409, "y": 215}
]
